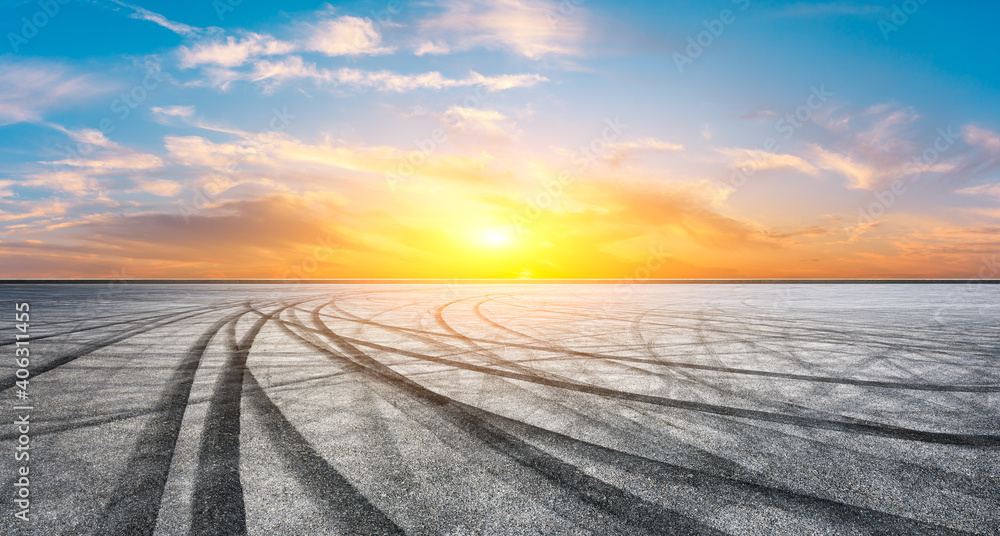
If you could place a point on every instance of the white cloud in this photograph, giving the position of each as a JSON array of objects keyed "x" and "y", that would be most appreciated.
[
  {"x": 162, "y": 114},
  {"x": 646, "y": 143},
  {"x": 859, "y": 175},
  {"x": 982, "y": 137},
  {"x": 109, "y": 156},
  {"x": 85, "y": 136},
  {"x": 533, "y": 28},
  {"x": 160, "y": 187},
  {"x": 888, "y": 131},
  {"x": 618, "y": 152},
  {"x": 197, "y": 151},
  {"x": 113, "y": 163},
  {"x": 475, "y": 121},
  {"x": 5, "y": 189},
  {"x": 879, "y": 144},
  {"x": 299, "y": 161},
  {"x": 345, "y": 36},
  {"x": 989, "y": 190},
  {"x": 340, "y": 36},
  {"x": 430, "y": 47},
  {"x": 761, "y": 160},
  {"x": 45, "y": 208},
  {"x": 232, "y": 52},
  {"x": 83, "y": 174},
  {"x": 145, "y": 14},
  {"x": 76, "y": 182},
  {"x": 293, "y": 67}
]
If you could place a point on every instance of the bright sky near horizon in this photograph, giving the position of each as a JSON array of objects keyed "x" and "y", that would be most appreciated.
[{"x": 499, "y": 138}]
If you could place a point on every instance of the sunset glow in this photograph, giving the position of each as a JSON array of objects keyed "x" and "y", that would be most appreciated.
[{"x": 500, "y": 138}]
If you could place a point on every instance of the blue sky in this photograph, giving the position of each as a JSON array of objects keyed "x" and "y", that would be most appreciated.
[{"x": 706, "y": 164}]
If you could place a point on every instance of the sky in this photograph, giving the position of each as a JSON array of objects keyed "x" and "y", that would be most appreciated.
[{"x": 455, "y": 139}]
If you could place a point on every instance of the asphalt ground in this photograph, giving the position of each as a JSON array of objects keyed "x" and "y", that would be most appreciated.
[{"x": 506, "y": 409}]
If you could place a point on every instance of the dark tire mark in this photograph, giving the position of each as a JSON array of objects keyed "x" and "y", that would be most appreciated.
[
  {"x": 846, "y": 424},
  {"x": 635, "y": 511},
  {"x": 680, "y": 364},
  {"x": 709, "y": 484},
  {"x": 325, "y": 484},
  {"x": 78, "y": 329},
  {"x": 217, "y": 504},
  {"x": 135, "y": 504},
  {"x": 89, "y": 348}
]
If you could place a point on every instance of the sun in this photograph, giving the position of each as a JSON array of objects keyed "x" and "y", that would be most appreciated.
[{"x": 495, "y": 237}]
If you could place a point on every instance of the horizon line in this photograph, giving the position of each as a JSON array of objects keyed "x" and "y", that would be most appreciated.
[{"x": 647, "y": 281}]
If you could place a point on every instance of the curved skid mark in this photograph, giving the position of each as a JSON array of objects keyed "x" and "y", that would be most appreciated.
[
  {"x": 680, "y": 364},
  {"x": 631, "y": 509},
  {"x": 499, "y": 361},
  {"x": 129, "y": 320},
  {"x": 325, "y": 484},
  {"x": 217, "y": 503},
  {"x": 710, "y": 484},
  {"x": 847, "y": 424},
  {"x": 134, "y": 506},
  {"x": 35, "y": 370}
]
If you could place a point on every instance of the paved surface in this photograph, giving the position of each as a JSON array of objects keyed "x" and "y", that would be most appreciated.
[{"x": 505, "y": 409}]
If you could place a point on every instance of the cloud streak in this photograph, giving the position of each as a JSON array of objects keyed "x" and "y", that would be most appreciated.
[
  {"x": 145, "y": 14},
  {"x": 30, "y": 88},
  {"x": 294, "y": 68}
]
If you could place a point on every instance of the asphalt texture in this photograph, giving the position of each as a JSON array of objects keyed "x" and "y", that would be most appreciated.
[{"x": 505, "y": 409}]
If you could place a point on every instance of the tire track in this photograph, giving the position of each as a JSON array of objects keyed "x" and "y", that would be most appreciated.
[
  {"x": 846, "y": 424},
  {"x": 76, "y": 330},
  {"x": 752, "y": 492},
  {"x": 133, "y": 507},
  {"x": 709, "y": 484},
  {"x": 496, "y": 360},
  {"x": 217, "y": 503},
  {"x": 35, "y": 370},
  {"x": 634, "y": 511},
  {"x": 681, "y": 364},
  {"x": 325, "y": 485},
  {"x": 438, "y": 414}
]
